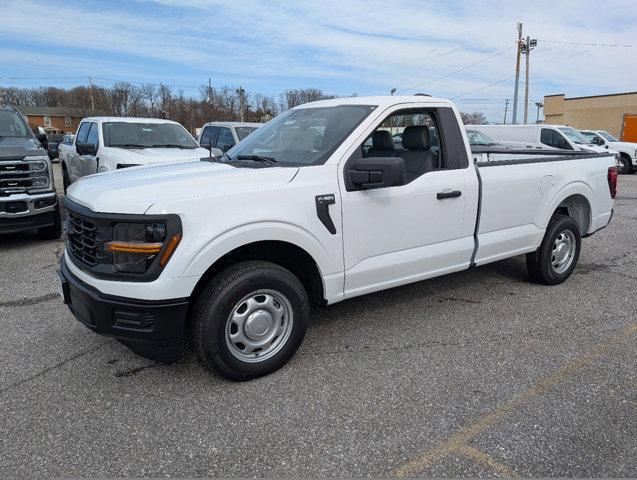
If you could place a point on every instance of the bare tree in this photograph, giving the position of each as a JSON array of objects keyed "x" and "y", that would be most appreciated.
[{"x": 475, "y": 118}]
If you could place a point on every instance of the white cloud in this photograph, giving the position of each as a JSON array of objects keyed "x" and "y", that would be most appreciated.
[{"x": 347, "y": 46}]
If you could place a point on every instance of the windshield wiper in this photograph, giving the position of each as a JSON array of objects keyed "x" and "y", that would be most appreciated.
[
  {"x": 127, "y": 145},
  {"x": 170, "y": 145},
  {"x": 257, "y": 158}
]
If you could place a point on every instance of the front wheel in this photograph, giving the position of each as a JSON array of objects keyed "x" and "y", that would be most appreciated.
[
  {"x": 250, "y": 320},
  {"x": 557, "y": 256},
  {"x": 624, "y": 165}
]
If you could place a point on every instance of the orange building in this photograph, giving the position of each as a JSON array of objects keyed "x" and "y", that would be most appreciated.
[{"x": 65, "y": 120}]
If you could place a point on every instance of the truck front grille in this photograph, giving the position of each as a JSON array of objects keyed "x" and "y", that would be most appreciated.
[
  {"x": 14, "y": 177},
  {"x": 81, "y": 239}
]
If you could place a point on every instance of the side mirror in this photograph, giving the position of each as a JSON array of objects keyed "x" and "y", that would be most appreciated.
[
  {"x": 85, "y": 149},
  {"x": 562, "y": 143},
  {"x": 228, "y": 147},
  {"x": 377, "y": 172}
]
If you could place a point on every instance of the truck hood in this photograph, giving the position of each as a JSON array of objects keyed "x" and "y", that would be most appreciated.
[
  {"x": 623, "y": 145},
  {"x": 145, "y": 156},
  {"x": 135, "y": 190},
  {"x": 16, "y": 147}
]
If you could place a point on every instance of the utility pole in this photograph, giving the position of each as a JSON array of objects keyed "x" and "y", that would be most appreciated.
[
  {"x": 241, "y": 92},
  {"x": 517, "y": 74},
  {"x": 529, "y": 44},
  {"x": 209, "y": 98},
  {"x": 90, "y": 82},
  {"x": 506, "y": 109}
]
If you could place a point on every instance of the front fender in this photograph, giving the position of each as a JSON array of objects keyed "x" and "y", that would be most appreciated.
[{"x": 225, "y": 242}]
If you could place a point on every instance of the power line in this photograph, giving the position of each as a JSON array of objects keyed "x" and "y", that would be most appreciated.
[
  {"x": 457, "y": 71},
  {"x": 482, "y": 88},
  {"x": 585, "y": 44}
]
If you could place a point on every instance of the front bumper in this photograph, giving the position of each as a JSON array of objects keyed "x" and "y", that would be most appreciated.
[
  {"x": 151, "y": 328},
  {"x": 19, "y": 213}
]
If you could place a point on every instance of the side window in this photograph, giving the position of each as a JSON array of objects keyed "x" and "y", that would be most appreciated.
[
  {"x": 546, "y": 137},
  {"x": 225, "y": 140},
  {"x": 93, "y": 137},
  {"x": 208, "y": 136},
  {"x": 411, "y": 135},
  {"x": 82, "y": 132}
]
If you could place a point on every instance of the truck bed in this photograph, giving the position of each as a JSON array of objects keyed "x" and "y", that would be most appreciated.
[{"x": 517, "y": 191}]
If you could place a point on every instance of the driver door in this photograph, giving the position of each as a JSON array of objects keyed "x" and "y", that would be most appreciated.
[
  {"x": 88, "y": 163},
  {"x": 75, "y": 162},
  {"x": 401, "y": 234}
]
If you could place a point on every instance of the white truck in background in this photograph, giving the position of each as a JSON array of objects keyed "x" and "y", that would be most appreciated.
[
  {"x": 225, "y": 135},
  {"x": 104, "y": 144},
  {"x": 230, "y": 252},
  {"x": 627, "y": 150},
  {"x": 542, "y": 135}
]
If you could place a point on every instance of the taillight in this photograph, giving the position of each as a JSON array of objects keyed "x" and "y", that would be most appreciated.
[{"x": 612, "y": 181}]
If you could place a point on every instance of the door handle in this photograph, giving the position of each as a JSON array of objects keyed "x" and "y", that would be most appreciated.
[{"x": 451, "y": 194}]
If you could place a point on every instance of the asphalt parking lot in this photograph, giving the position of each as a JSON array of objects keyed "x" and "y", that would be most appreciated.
[{"x": 480, "y": 373}]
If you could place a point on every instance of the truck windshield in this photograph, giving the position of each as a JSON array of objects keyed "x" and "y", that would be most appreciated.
[
  {"x": 303, "y": 136},
  {"x": 477, "y": 138},
  {"x": 608, "y": 137},
  {"x": 11, "y": 125},
  {"x": 243, "y": 132},
  {"x": 146, "y": 135},
  {"x": 575, "y": 136}
]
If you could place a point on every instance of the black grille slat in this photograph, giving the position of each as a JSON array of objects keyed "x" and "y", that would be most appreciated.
[{"x": 81, "y": 233}]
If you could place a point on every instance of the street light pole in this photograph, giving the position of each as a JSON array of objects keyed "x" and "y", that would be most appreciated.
[{"x": 538, "y": 105}]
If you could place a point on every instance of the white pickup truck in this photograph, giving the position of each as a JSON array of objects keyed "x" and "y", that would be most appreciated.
[
  {"x": 103, "y": 144},
  {"x": 231, "y": 251},
  {"x": 627, "y": 150}
]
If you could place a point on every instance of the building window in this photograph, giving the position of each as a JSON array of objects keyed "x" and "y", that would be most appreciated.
[
  {"x": 67, "y": 122},
  {"x": 47, "y": 121}
]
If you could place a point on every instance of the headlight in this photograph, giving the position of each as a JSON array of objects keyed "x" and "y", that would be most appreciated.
[
  {"x": 136, "y": 245},
  {"x": 39, "y": 172}
]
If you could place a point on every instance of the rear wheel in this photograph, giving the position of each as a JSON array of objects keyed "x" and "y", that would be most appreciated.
[
  {"x": 557, "y": 256},
  {"x": 250, "y": 320},
  {"x": 66, "y": 182}
]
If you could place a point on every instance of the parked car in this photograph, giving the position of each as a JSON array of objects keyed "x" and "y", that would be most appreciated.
[
  {"x": 103, "y": 144},
  {"x": 627, "y": 150},
  {"x": 225, "y": 135},
  {"x": 234, "y": 250},
  {"x": 553, "y": 136},
  {"x": 66, "y": 146},
  {"x": 52, "y": 148},
  {"x": 28, "y": 200}
]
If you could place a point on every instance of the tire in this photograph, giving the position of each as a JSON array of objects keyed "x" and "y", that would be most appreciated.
[
  {"x": 277, "y": 307},
  {"x": 562, "y": 237},
  {"x": 66, "y": 182},
  {"x": 54, "y": 231},
  {"x": 626, "y": 165}
]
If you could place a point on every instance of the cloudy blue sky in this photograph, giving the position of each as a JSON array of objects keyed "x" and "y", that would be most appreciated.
[{"x": 341, "y": 47}]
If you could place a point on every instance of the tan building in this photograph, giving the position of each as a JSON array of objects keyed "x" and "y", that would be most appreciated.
[
  {"x": 614, "y": 113},
  {"x": 66, "y": 120}
]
